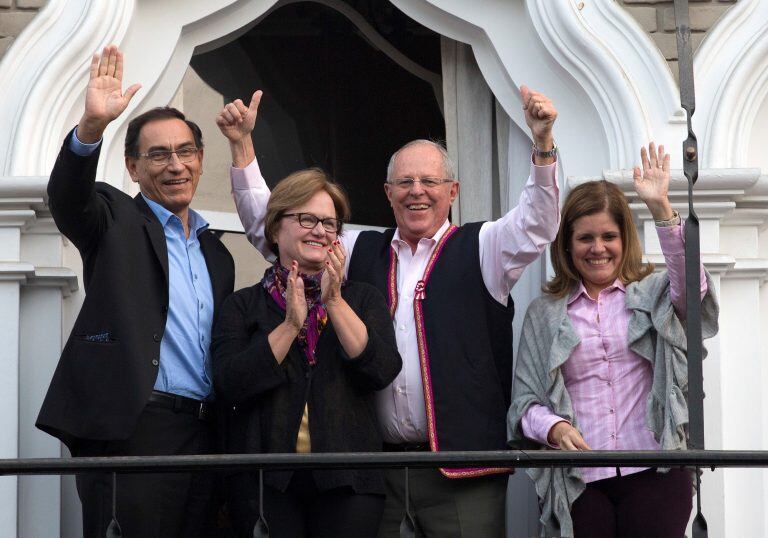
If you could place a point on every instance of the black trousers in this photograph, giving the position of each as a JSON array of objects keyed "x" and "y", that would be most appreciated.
[
  {"x": 153, "y": 504},
  {"x": 302, "y": 510},
  {"x": 636, "y": 505}
]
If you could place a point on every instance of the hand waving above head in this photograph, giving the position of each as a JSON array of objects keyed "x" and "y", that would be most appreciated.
[
  {"x": 104, "y": 97},
  {"x": 652, "y": 184}
]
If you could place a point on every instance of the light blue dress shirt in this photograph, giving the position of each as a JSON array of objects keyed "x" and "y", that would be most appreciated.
[{"x": 185, "y": 361}]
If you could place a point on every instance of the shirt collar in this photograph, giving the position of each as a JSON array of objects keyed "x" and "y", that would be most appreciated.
[
  {"x": 397, "y": 240},
  {"x": 581, "y": 291},
  {"x": 196, "y": 222}
]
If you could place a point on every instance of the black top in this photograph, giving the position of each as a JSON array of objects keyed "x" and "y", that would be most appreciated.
[
  {"x": 109, "y": 364},
  {"x": 266, "y": 399}
]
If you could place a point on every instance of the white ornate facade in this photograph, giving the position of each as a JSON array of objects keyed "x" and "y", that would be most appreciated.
[{"x": 614, "y": 92}]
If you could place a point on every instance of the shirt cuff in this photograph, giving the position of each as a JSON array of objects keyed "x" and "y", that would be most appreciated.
[
  {"x": 537, "y": 421},
  {"x": 671, "y": 239},
  {"x": 248, "y": 177},
  {"x": 81, "y": 148},
  {"x": 544, "y": 175}
]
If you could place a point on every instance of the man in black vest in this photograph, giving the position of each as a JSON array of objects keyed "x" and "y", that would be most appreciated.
[
  {"x": 134, "y": 375},
  {"x": 448, "y": 289}
]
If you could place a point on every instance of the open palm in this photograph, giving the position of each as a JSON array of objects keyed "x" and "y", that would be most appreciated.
[
  {"x": 104, "y": 97},
  {"x": 652, "y": 182}
]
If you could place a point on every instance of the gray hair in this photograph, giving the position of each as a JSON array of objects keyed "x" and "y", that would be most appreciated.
[{"x": 447, "y": 162}]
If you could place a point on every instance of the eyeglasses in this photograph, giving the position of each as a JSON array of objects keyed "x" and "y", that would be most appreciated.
[
  {"x": 309, "y": 221},
  {"x": 407, "y": 183},
  {"x": 163, "y": 157}
]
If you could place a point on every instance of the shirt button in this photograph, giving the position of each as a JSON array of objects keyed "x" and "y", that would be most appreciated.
[
  {"x": 402, "y": 327},
  {"x": 610, "y": 411},
  {"x": 610, "y": 384},
  {"x": 156, "y": 337},
  {"x": 399, "y": 390},
  {"x": 201, "y": 306},
  {"x": 194, "y": 276},
  {"x": 613, "y": 436},
  {"x": 155, "y": 362}
]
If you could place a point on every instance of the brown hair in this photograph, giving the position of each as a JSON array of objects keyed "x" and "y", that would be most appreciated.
[
  {"x": 588, "y": 199},
  {"x": 295, "y": 190}
]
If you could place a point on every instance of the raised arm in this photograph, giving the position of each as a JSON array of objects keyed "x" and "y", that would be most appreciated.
[
  {"x": 518, "y": 238},
  {"x": 249, "y": 190},
  {"x": 652, "y": 186},
  {"x": 236, "y": 122},
  {"x": 540, "y": 116},
  {"x": 79, "y": 213}
]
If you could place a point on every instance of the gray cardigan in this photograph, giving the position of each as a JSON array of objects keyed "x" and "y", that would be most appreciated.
[{"x": 548, "y": 338}]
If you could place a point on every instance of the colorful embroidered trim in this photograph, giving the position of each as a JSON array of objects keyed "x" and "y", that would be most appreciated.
[{"x": 421, "y": 340}]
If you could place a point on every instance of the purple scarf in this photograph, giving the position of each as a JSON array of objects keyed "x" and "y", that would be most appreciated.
[{"x": 275, "y": 282}]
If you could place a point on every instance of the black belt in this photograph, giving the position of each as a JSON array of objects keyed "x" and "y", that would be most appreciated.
[
  {"x": 181, "y": 404},
  {"x": 406, "y": 447}
]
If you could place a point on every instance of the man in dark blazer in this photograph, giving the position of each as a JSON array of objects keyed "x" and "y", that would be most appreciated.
[{"x": 134, "y": 377}]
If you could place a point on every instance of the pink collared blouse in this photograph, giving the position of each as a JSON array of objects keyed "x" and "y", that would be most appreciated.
[{"x": 609, "y": 384}]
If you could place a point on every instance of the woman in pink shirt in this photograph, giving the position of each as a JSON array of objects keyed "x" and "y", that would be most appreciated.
[{"x": 602, "y": 363}]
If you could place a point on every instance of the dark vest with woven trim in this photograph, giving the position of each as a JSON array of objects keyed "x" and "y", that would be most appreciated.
[{"x": 469, "y": 338}]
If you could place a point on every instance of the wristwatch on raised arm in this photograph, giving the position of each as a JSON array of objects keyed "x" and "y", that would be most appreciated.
[{"x": 542, "y": 153}]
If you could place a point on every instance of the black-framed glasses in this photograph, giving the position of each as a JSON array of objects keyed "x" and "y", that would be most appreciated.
[
  {"x": 309, "y": 221},
  {"x": 163, "y": 156},
  {"x": 407, "y": 183}
]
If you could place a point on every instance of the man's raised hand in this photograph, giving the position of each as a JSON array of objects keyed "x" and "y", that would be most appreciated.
[
  {"x": 104, "y": 97},
  {"x": 540, "y": 115}
]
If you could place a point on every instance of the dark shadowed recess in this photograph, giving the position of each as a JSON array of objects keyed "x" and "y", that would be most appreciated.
[{"x": 331, "y": 98}]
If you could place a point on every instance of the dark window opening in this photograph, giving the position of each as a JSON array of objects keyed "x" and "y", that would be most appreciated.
[{"x": 331, "y": 99}]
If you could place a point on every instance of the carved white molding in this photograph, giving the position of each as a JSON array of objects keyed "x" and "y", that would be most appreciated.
[
  {"x": 733, "y": 184},
  {"x": 16, "y": 271},
  {"x": 619, "y": 67},
  {"x": 54, "y": 277},
  {"x": 603, "y": 72},
  {"x": 609, "y": 81},
  {"x": 731, "y": 77},
  {"x": 43, "y": 77}
]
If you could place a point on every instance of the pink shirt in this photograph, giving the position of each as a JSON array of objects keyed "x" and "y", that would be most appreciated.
[
  {"x": 507, "y": 246},
  {"x": 608, "y": 383}
]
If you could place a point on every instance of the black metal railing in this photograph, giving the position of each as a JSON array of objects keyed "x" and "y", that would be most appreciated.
[{"x": 703, "y": 459}]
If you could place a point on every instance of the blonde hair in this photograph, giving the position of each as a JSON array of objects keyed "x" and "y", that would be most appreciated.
[
  {"x": 588, "y": 199},
  {"x": 297, "y": 189}
]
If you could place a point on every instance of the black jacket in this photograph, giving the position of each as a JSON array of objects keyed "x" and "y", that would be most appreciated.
[
  {"x": 110, "y": 362},
  {"x": 267, "y": 399}
]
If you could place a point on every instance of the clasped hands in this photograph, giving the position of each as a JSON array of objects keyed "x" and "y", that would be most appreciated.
[{"x": 330, "y": 285}]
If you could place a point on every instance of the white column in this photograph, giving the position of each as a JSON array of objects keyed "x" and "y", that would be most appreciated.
[
  {"x": 41, "y": 327},
  {"x": 12, "y": 273},
  {"x": 32, "y": 282}
]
